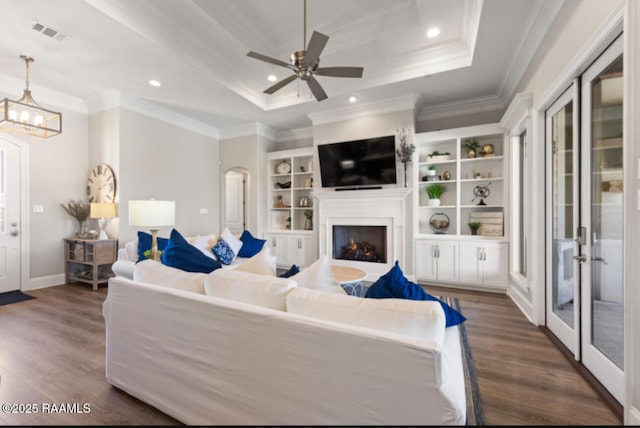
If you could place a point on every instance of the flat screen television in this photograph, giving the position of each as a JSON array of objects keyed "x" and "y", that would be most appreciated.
[{"x": 361, "y": 163}]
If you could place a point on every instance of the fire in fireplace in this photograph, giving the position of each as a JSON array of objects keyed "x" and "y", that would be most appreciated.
[{"x": 360, "y": 243}]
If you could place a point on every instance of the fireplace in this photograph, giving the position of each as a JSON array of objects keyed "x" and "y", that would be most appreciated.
[
  {"x": 372, "y": 218},
  {"x": 360, "y": 243}
]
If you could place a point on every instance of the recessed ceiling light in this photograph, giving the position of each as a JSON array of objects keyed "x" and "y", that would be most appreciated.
[
  {"x": 434, "y": 32},
  {"x": 353, "y": 99},
  {"x": 155, "y": 83},
  {"x": 272, "y": 78}
]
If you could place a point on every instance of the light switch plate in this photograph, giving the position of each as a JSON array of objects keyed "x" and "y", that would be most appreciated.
[{"x": 38, "y": 208}]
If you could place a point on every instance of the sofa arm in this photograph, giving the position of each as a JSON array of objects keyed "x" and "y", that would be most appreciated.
[{"x": 122, "y": 254}]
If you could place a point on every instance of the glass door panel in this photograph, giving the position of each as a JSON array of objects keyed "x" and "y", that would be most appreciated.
[
  {"x": 563, "y": 162},
  {"x": 602, "y": 215}
]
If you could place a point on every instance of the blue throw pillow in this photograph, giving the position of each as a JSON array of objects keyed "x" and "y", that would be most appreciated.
[
  {"x": 144, "y": 244},
  {"x": 292, "y": 271},
  {"x": 181, "y": 255},
  {"x": 223, "y": 251},
  {"x": 250, "y": 245},
  {"x": 394, "y": 284}
]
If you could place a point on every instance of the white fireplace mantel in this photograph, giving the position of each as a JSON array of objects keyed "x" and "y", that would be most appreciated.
[{"x": 385, "y": 207}]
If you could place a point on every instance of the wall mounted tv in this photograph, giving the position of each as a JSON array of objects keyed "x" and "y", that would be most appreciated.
[{"x": 359, "y": 164}]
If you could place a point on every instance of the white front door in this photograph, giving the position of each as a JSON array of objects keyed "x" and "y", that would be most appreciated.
[{"x": 9, "y": 216}]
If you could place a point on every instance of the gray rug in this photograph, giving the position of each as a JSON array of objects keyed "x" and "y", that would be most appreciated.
[{"x": 475, "y": 411}]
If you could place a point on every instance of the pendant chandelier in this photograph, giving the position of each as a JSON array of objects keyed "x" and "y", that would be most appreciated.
[{"x": 26, "y": 116}]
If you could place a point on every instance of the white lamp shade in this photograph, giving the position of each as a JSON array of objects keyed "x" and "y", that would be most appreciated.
[
  {"x": 152, "y": 213},
  {"x": 103, "y": 210}
]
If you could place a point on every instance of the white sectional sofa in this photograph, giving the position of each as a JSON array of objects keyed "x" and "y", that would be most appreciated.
[{"x": 261, "y": 350}]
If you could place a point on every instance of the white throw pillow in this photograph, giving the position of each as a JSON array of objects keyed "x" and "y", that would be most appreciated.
[
  {"x": 260, "y": 290},
  {"x": 132, "y": 250},
  {"x": 261, "y": 264},
  {"x": 418, "y": 319},
  {"x": 153, "y": 272},
  {"x": 203, "y": 244},
  {"x": 234, "y": 243},
  {"x": 319, "y": 276}
]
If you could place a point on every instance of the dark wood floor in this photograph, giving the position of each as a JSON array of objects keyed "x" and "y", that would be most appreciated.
[{"x": 52, "y": 351}]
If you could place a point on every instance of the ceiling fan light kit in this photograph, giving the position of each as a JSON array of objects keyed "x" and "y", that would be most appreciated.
[{"x": 305, "y": 64}]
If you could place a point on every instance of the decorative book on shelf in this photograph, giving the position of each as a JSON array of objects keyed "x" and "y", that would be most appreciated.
[{"x": 491, "y": 223}]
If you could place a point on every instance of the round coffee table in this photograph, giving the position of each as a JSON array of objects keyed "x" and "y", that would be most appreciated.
[{"x": 350, "y": 278}]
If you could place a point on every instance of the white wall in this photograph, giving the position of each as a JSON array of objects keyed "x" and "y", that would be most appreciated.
[
  {"x": 59, "y": 168},
  {"x": 167, "y": 162},
  {"x": 249, "y": 153},
  {"x": 104, "y": 147},
  {"x": 436, "y": 123}
]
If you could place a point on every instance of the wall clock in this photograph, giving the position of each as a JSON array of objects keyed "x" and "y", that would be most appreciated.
[
  {"x": 101, "y": 185},
  {"x": 283, "y": 167}
]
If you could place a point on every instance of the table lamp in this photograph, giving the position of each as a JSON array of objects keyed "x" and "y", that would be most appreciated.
[
  {"x": 102, "y": 211},
  {"x": 153, "y": 215}
]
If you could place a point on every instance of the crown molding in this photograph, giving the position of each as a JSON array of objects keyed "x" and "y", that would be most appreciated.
[
  {"x": 471, "y": 23},
  {"x": 115, "y": 99},
  {"x": 517, "y": 110},
  {"x": 535, "y": 30},
  {"x": 248, "y": 130},
  {"x": 460, "y": 108},
  {"x": 407, "y": 102},
  {"x": 45, "y": 97}
]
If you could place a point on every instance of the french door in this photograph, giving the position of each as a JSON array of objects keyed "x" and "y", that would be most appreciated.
[{"x": 584, "y": 302}]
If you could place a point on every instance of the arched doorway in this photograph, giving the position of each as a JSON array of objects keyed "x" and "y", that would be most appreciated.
[{"x": 235, "y": 210}]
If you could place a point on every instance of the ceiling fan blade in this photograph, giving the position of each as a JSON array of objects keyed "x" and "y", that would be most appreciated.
[
  {"x": 315, "y": 48},
  {"x": 269, "y": 59},
  {"x": 281, "y": 84},
  {"x": 339, "y": 71},
  {"x": 316, "y": 89}
]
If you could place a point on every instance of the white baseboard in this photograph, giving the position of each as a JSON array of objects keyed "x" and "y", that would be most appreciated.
[
  {"x": 521, "y": 301},
  {"x": 633, "y": 416},
  {"x": 46, "y": 281}
]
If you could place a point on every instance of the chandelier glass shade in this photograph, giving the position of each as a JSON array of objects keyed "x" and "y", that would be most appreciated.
[{"x": 25, "y": 116}]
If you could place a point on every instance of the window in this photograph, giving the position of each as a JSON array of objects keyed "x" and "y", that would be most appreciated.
[{"x": 523, "y": 204}]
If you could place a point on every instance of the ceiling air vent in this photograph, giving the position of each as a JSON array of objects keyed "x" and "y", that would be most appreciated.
[{"x": 48, "y": 31}]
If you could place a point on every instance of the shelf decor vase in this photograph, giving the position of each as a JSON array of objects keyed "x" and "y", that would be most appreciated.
[{"x": 433, "y": 202}]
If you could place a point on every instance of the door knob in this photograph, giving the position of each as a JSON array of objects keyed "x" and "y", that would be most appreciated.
[
  {"x": 581, "y": 258},
  {"x": 14, "y": 232}
]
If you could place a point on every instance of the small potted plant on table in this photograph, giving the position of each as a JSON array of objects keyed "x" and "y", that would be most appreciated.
[
  {"x": 471, "y": 146},
  {"x": 435, "y": 191}
]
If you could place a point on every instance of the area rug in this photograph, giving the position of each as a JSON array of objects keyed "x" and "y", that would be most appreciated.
[
  {"x": 475, "y": 411},
  {"x": 13, "y": 297}
]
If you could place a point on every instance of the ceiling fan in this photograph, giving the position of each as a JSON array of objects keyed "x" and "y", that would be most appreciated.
[{"x": 304, "y": 64}]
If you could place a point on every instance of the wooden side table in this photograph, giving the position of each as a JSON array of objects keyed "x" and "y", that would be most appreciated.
[
  {"x": 89, "y": 260},
  {"x": 350, "y": 278}
]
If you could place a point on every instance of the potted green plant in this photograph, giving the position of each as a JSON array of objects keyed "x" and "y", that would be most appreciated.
[
  {"x": 474, "y": 226},
  {"x": 471, "y": 146},
  {"x": 435, "y": 191},
  {"x": 431, "y": 170},
  {"x": 438, "y": 156}
]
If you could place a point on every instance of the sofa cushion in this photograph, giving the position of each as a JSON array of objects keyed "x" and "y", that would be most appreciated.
[
  {"x": 416, "y": 319},
  {"x": 234, "y": 243},
  {"x": 153, "y": 272},
  {"x": 394, "y": 284},
  {"x": 246, "y": 287},
  {"x": 250, "y": 245},
  {"x": 204, "y": 244},
  {"x": 262, "y": 263},
  {"x": 319, "y": 276},
  {"x": 181, "y": 255},
  {"x": 144, "y": 244}
]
